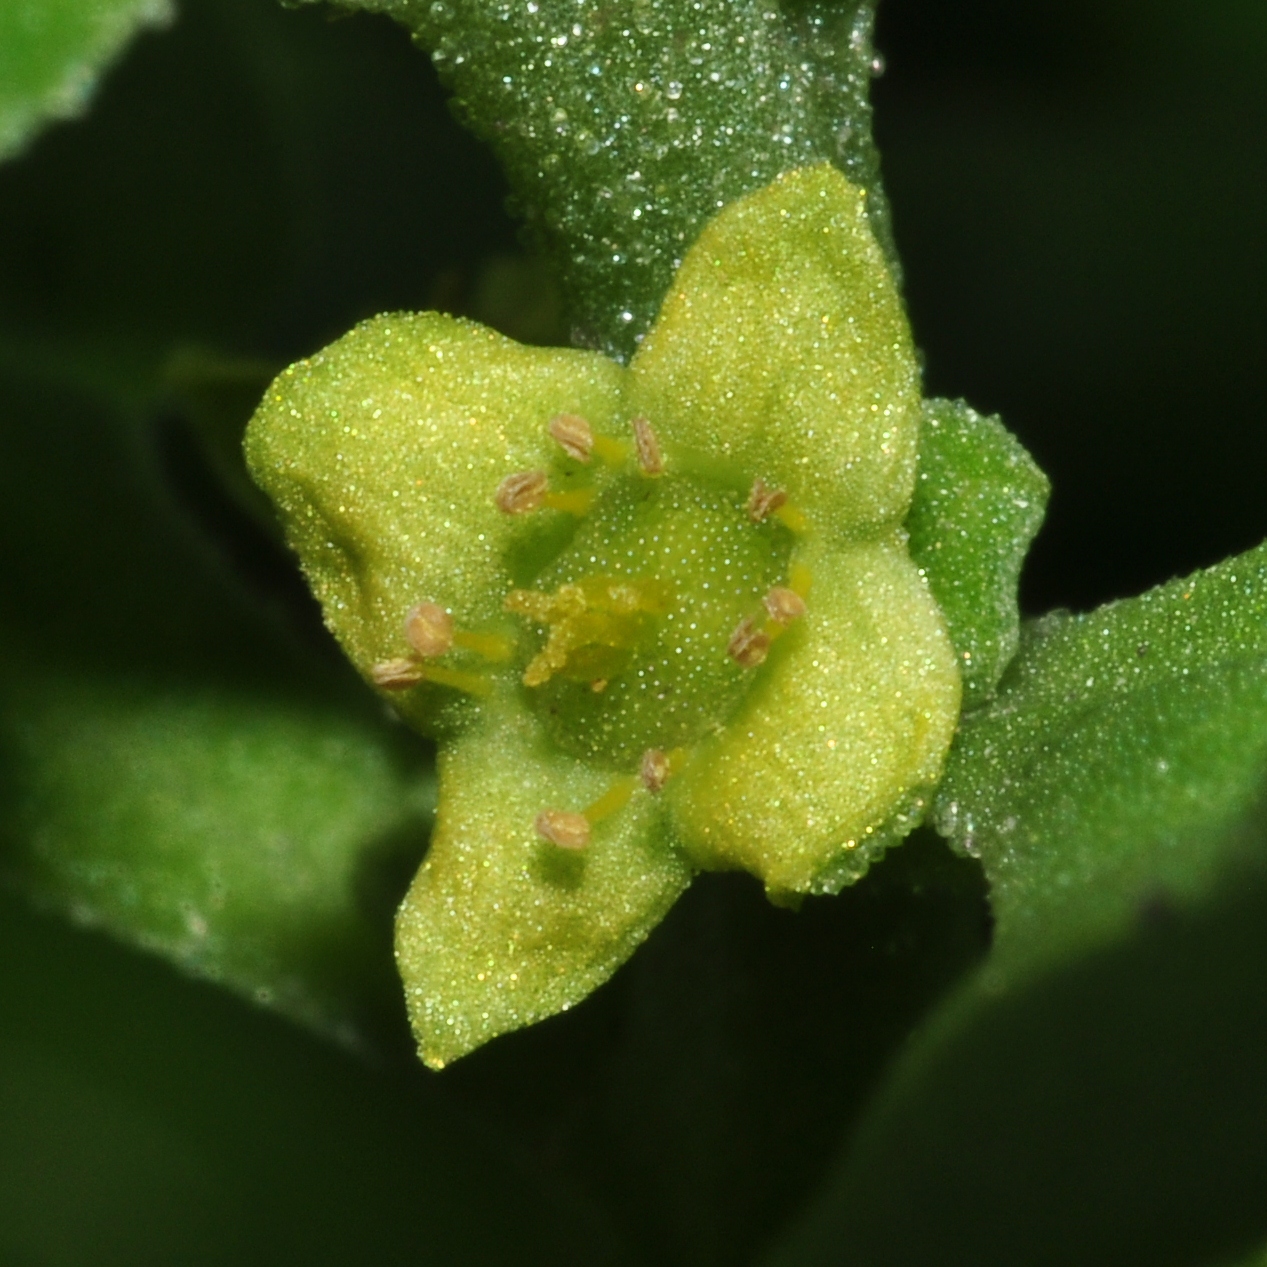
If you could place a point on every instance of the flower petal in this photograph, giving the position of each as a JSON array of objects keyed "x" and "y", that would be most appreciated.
[
  {"x": 783, "y": 347},
  {"x": 501, "y": 928},
  {"x": 384, "y": 453},
  {"x": 833, "y": 751}
]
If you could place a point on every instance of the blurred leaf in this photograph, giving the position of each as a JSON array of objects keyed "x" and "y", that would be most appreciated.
[
  {"x": 298, "y": 176},
  {"x": 1256, "y": 1259},
  {"x": 178, "y": 768},
  {"x": 51, "y": 52},
  {"x": 144, "y": 1119},
  {"x": 1095, "y": 1093},
  {"x": 1111, "y": 1110},
  {"x": 624, "y": 127},
  {"x": 979, "y": 500},
  {"x": 185, "y": 758}
]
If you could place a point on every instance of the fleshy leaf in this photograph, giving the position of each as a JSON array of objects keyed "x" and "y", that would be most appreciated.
[
  {"x": 501, "y": 928},
  {"x": 831, "y": 758},
  {"x": 979, "y": 500},
  {"x": 1102, "y": 1071},
  {"x": 624, "y": 126},
  {"x": 782, "y": 348},
  {"x": 1111, "y": 1109},
  {"x": 51, "y": 53},
  {"x": 1120, "y": 746}
]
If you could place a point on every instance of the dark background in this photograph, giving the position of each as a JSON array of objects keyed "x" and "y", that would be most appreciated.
[{"x": 1078, "y": 191}]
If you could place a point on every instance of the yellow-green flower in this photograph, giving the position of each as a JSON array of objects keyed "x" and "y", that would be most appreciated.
[{"x": 661, "y": 618}]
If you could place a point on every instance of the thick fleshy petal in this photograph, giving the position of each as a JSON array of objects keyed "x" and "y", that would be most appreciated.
[
  {"x": 843, "y": 734},
  {"x": 502, "y": 928},
  {"x": 782, "y": 348},
  {"x": 383, "y": 454}
]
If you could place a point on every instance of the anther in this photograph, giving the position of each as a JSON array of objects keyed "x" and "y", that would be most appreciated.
[
  {"x": 561, "y": 828},
  {"x": 764, "y": 501},
  {"x": 650, "y": 459},
  {"x": 748, "y": 645},
  {"x": 784, "y": 605},
  {"x": 654, "y": 769},
  {"x": 396, "y": 675},
  {"x": 522, "y": 492},
  {"x": 574, "y": 435},
  {"x": 429, "y": 630}
]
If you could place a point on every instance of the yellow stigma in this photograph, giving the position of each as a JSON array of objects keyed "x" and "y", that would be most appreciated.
[{"x": 593, "y": 626}]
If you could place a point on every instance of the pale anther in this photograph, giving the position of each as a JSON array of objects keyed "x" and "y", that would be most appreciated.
[
  {"x": 654, "y": 769},
  {"x": 748, "y": 645},
  {"x": 564, "y": 829},
  {"x": 784, "y": 605},
  {"x": 650, "y": 459},
  {"x": 517, "y": 494},
  {"x": 574, "y": 435},
  {"x": 429, "y": 629},
  {"x": 764, "y": 501},
  {"x": 396, "y": 675}
]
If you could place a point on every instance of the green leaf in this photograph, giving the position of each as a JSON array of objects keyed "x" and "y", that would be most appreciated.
[
  {"x": 979, "y": 501},
  {"x": 1121, "y": 747},
  {"x": 1109, "y": 1110},
  {"x": 181, "y": 744},
  {"x": 52, "y": 52},
  {"x": 177, "y": 768},
  {"x": 624, "y": 126},
  {"x": 1095, "y": 1091}
]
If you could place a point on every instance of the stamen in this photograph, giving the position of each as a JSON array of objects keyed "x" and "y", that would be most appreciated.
[
  {"x": 793, "y": 519},
  {"x": 491, "y": 646},
  {"x": 654, "y": 769},
  {"x": 520, "y": 493},
  {"x": 567, "y": 831},
  {"x": 784, "y": 605},
  {"x": 403, "y": 675},
  {"x": 598, "y": 685},
  {"x": 574, "y": 434},
  {"x": 613, "y": 452},
  {"x": 764, "y": 500},
  {"x": 396, "y": 675},
  {"x": 576, "y": 502},
  {"x": 800, "y": 579},
  {"x": 650, "y": 459},
  {"x": 748, "y": 645},
  {"x": 429, "y": 630},
  {"x": 612, "y": 801},
  {"x": 471, "y": 683}
]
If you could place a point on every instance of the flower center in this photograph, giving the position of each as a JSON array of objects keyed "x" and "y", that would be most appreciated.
[
  {"x": 644, "y": 629},
  {"x": 640, "y": 613}
]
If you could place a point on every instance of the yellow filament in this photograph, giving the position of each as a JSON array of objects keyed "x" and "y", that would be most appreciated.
[
  {"x": 492, "y": 647},
  {"x": 471, "y": 683},
  {"x": 577, "y": 502},
  {"x": 799, "y": 580},
  {"x": 792, "y": 518},
  {"x": 613, "y": 800},
  {"x": 613, "y": 452}
]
